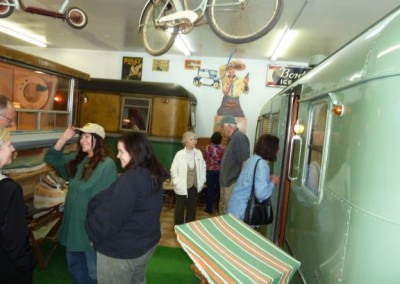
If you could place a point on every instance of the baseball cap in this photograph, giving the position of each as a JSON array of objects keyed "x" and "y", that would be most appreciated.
[
  {"x": 93, "y": 128},
  {"x": 227, "y": 119}
]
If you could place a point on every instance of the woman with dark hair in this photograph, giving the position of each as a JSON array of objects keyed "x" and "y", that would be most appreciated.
[
  {"x": 265, "y": 150},
  {"x": 213, "y": 156},
  {"x": 123, "y": 222},
  {"x": 88, "y": 171}
]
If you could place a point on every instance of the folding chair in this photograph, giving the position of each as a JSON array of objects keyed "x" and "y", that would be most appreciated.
[{"x": 43, "y": 225}]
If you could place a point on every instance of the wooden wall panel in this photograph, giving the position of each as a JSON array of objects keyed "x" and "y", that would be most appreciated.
[
  {"x": 101, "y": 108},
  {"x": 170, "y": 117}
]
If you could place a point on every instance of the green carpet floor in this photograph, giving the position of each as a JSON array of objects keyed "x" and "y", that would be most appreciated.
[{"x": 167, "y": 266}]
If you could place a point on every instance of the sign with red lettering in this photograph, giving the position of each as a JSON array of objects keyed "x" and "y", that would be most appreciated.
[{"x": 284, "y": 75}]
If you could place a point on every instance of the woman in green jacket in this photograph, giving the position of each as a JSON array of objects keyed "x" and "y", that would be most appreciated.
[{"x": 88, "y": 171}]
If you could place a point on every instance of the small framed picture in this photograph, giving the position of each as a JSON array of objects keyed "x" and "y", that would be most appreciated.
[
  {"x": 160, "y": 65},
  {"x": 192, "y": 64},
  {"x": 132, "y": 68}
]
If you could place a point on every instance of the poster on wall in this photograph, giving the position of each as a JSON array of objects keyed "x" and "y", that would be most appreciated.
[
  {"x": 160, "y": 65},
  {"x": 284, "y": 75},
  {"x": 132, "y": 68},
  {"x": 192, "y": 64}
]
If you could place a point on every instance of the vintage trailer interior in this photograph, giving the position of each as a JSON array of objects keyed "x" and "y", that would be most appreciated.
[
  {"x": 42, "y": 92},
  {"x": 163, "y": 111},
  {"x": 337, "y": 204}
]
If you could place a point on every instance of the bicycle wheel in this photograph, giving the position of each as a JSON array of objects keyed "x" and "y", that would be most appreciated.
[
  {"x": 157, "y": 38},
  {"x": 76, "y": 18},
  {"x": 244, "y": 20},
  {"x": 5, "y": 9}
]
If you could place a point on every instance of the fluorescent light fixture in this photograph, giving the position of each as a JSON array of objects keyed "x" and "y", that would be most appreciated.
[
  {"x": 182, "y": 45},
  {"x": 286, "y": 40},
  {"x": 22, "y": 35},
  {"x": 288, "y": 35}
]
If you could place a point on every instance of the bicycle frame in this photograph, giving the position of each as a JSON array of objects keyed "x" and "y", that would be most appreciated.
[
  {"x": 162, "y": 20},
  {"x": 19, "y": 4},
  {"x": 200, "y": 9}
]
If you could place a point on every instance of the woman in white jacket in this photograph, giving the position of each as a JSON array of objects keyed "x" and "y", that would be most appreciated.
[{"x": 188, "y": 173}]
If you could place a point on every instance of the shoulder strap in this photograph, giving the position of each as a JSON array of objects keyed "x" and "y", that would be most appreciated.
[{"x": 254, "y": 175}]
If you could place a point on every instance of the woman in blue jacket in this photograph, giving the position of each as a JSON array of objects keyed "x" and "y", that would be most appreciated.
[
  {"x": 123, "y": 222},
  {"x": 265, "y": 150}
]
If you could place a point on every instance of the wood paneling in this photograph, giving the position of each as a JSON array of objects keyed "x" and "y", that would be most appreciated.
[{"x": 170, "y": 117}]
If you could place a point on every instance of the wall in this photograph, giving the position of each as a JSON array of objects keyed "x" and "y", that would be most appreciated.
[{"x": 104, "y": 64}]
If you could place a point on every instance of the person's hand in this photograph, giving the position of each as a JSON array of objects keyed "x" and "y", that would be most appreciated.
[
  {"x": 275, "y": 179},
  {"x": 65, "y": 137},
  {"x": 69, "y": 133}
]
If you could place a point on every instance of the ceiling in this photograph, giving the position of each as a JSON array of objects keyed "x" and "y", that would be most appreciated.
[{"x": 322, "y": 27}]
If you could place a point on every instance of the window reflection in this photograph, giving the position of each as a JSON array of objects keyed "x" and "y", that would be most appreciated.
[
  {"x": 315, "y": 146},
  {"x": 135, "y": 115}
]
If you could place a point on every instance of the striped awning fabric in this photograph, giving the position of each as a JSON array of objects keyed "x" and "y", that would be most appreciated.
[{"x": 226, "y": 250}]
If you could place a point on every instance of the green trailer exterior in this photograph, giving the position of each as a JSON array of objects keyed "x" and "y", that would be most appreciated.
[{"x": 337, "y": 204}]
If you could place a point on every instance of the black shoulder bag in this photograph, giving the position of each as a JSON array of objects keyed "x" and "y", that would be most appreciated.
[{"x": 258, "y": 213}]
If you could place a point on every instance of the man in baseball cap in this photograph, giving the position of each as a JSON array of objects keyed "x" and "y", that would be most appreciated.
[
  {"x": 235, "y": 155},
  {"x": 229, "y": 119}
]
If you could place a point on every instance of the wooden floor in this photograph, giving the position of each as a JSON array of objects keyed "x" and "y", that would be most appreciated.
[{"x": 168, "y": 237}]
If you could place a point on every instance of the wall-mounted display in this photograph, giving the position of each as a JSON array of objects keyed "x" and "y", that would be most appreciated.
[
  {"x": 160, "y": 65},
  {"x": 284, "y": 75},
  {"x": 192, "y": 64},
  {"x": 132, "y": 68}
]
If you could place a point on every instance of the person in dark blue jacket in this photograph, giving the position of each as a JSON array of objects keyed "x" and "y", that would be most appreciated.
[
  {"x": 16, "y": 256},
  {"x": 123, "y": 221}
]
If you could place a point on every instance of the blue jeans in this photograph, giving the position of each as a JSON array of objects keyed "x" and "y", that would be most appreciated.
[{"x": 82, "y": 266}]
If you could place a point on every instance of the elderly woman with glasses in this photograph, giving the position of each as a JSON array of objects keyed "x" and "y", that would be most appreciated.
[{"x": 188, "y": 174}]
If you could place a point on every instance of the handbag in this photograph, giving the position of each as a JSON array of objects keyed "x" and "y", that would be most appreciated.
[{"x": 258, "y": 213}]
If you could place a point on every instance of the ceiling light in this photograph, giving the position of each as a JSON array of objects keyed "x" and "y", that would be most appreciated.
[
  {"x": 286, "y": 40},
  {"x": 182, "y": 45},
  {"x": 22, "y": 36},
  {"x": 287, "y": 36}
]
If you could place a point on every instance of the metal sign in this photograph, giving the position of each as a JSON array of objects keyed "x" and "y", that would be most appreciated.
[{"x": 284, "y": 75}]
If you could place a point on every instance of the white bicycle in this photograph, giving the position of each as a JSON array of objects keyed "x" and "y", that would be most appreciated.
[{"x": 234, "y": 21}]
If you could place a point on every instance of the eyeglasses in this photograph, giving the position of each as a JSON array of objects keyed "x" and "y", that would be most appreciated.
[{"x": 10, "y": 120}]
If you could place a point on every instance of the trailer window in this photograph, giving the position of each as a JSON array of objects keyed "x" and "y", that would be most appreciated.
[
  {"x": 135, "y": 114},
  {"x": 315, "y": 147}
]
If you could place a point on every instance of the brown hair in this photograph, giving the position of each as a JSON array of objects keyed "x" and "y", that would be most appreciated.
[
  {"x": 267, "y": 147},
  {"x": 100, "y": 152}
]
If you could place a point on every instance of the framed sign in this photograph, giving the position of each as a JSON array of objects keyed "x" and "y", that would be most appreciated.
[
  {"x": 284, "y": 75},
  {"x": 160, "y": 65},
  {"x": 192, "y": 64},
  {"x": 132, "y": 68}
]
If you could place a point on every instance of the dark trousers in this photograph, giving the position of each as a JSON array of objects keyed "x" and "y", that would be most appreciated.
[
  {"x": 189, "y": 203},
  {"x": 212, "y": 189}
]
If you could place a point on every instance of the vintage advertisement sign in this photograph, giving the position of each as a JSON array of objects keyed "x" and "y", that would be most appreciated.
[
  {"x": 132, "y": 68},
  {"x": 284, "y": 75}
]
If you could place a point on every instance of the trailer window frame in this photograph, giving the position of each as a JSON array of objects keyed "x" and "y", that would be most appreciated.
[
  {"x": 135, "y": 108},
  {"x": 315, "y": 148}
]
